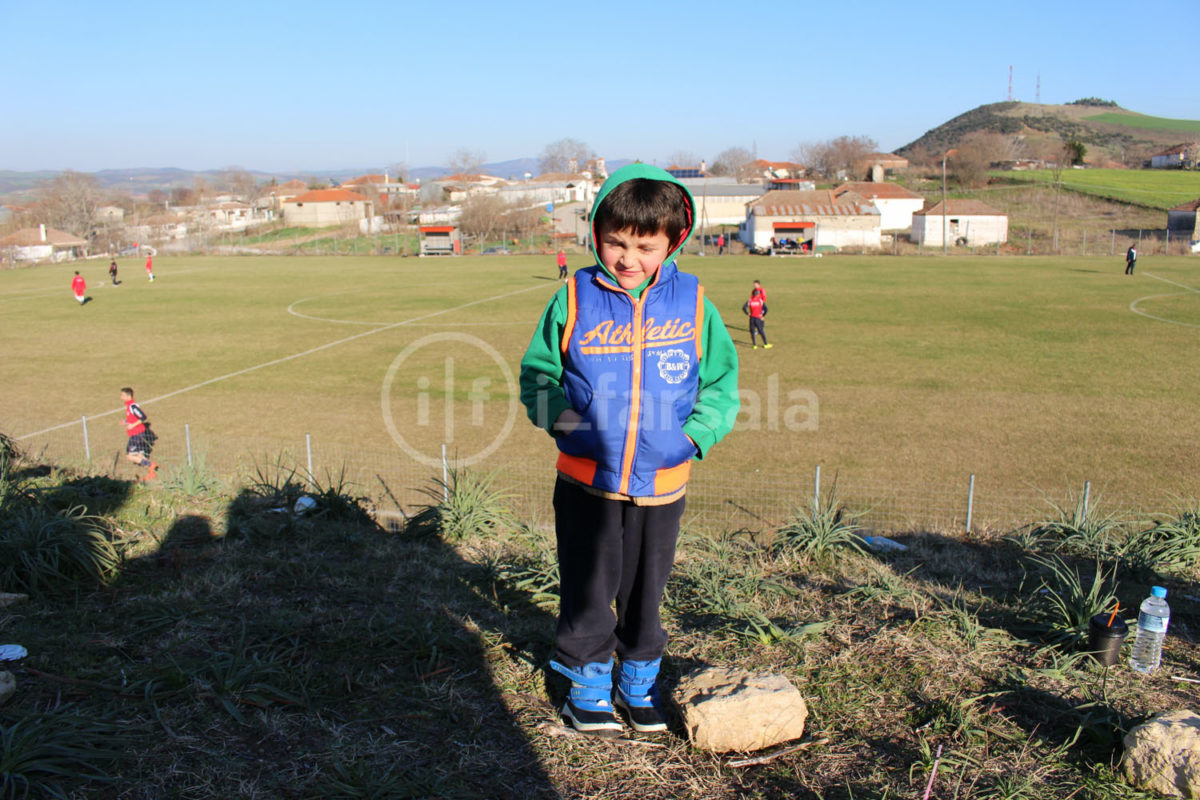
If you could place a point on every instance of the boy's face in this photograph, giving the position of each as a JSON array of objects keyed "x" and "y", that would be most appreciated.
[
  {"x": 126, "y": 397},
  {"x": 632, "y": 257}
]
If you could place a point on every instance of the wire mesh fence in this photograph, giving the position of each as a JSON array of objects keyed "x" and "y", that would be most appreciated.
[{"x": 718, "y": 499}]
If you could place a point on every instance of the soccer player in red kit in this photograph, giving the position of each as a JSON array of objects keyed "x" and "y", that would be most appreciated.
[
  {"x": 141, "y": 439},
  {"x": 150, "y": 266},
  {"x": 79, "y": 287}
]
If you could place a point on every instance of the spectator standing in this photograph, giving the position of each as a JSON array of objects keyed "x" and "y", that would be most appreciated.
[{"x": 1130, "y": 259}]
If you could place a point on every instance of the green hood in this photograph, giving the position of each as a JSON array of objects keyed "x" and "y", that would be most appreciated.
[{"x": 627, "y": 173}]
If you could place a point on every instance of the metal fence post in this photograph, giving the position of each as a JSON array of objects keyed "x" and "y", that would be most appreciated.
[
  {"x": 1087, "y": 494},
  {"x": 87, "y": 447},
  {"x": 1112, "y": 249},
  {"x": 187, "y": 437},
  {"x": 970, "y": 500},
  {"x": 308, "y": 447},
  {"x": 445, "y": 475},
  {"x": 1084, "y": 243},
  {"x": 817, "y": 488}
]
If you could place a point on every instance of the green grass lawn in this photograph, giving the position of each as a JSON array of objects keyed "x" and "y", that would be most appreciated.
[
  {"x": 1034, "y": 374},
  {"x": 1153, "y": 188}
]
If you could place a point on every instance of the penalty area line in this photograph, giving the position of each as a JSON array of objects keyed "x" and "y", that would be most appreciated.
[{"x": 285, "y": 359}]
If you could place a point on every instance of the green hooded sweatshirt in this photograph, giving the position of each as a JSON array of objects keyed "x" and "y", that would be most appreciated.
[{"x": 542, "y": 369}]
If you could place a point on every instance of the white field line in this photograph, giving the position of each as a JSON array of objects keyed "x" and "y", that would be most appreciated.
[
  {"x": 285, "y": 359},
  {"x": 1134, "y": 305}
]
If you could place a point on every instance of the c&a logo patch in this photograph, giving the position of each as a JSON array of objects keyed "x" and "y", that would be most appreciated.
[{"x": 674, "y": 365}]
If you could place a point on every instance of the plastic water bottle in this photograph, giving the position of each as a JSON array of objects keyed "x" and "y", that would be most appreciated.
[{"x": 1151, "y": 630}]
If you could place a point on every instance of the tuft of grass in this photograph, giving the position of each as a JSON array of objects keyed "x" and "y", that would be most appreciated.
[
  {"x": 1079, "y": 528},
  {"x": 194, "y": 479},
  {"x": 48, "y": 754},
  {"x": 824, "y": 526},
  {"x": 336, "y": 499},
  {"x": 1065, "y": 601},
  {"x": 465, "y": 504},
  {"x": 41, "y": 548},
  {"x": 1170, "y": 545}
]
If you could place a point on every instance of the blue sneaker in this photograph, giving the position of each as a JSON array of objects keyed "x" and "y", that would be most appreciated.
[
  {"x": 637, "y": 695},
  {"x": 589, "y": 704}
]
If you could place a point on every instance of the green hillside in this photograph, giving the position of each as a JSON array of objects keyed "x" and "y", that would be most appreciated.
[
  {"x": 1152, "y": 188},
  {"x": 1148, "y": 123}
]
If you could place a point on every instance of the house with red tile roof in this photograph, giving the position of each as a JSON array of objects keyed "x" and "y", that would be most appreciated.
[
  {"x": 323, "y": 208},
  {"x": 777, "y": 169},
  {"x": 42, "y": 244},
  {"x": 895, "y": 203},
  {"x": 1181, "y": 156},
  {"x": 966, "y": 222},
  {"x": 816, "y": 218}
]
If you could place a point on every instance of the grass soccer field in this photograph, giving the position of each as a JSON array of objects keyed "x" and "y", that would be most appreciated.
[{"x": 1034, "y": 374}]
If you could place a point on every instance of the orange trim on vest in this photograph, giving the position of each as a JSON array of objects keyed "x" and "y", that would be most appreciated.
[
  {"x": 577, "y": 467},
  {"x": 672, "y": 479},
  {"x": 569, "y": 325},
  {"x": 699, "y": 321},
  {"x": 635, "y": 397}
]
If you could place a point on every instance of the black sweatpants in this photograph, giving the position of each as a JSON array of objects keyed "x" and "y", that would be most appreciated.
[
  {"x": 759, "y": 325},
  {"x": 611, "y": 550}
]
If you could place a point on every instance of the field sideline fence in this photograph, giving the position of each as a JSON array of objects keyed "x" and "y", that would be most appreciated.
[{"x": 717, "y": 499}]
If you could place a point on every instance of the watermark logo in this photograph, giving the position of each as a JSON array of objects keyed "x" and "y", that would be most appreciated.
[{"x": 422, "y": 388}]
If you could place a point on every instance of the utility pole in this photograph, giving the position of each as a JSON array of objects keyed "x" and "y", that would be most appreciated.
[{"x": 944, "y": 208}]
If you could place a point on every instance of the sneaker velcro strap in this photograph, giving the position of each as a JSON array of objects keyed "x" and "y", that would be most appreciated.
[{"x": 591, "y": 697}]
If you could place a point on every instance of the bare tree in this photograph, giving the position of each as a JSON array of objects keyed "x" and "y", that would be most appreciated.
[
  {"x": 683, "y": 158},
  {"x": 735, "y": 162},
  {"x": 843, "y": 156},
  {"x": 974, "y": 156},
  {"x": 558, "y": 156},
  {"x": 398, "y": 171},
  {"x": 483, "y": 216},
  {"x": 240, "y": 183},
  {"x": 464, "y": 161},
  {"x": 69, "y": 201}
]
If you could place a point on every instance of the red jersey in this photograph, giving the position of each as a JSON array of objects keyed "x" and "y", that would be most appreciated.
[
  {"x": 562, "y": 259},
  {"x": 78, "y": 285},
  {"x": 149, "y": 263},
  {"x": 134, "y": 414},
  {"x": 756, "y": 306}
]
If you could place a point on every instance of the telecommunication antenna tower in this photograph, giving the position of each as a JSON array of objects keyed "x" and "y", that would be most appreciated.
[
  {"x": 1038, "y": 98},
  {"x": 1010, "y": 83}
]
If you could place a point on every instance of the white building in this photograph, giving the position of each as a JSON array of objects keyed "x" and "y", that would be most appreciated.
[
  {"x": 895, "y": 203},
  {"x": 326, "y": 208},
  {"x": 721, "y": 201},
  {"x": 816, "y": 219},
  {"x": 966, "y": 222}
]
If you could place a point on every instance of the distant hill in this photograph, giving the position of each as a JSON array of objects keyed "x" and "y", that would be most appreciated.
[{"x": 1113, "y": 135}]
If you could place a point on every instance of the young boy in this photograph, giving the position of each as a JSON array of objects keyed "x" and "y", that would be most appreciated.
[
  {"x": 150, "y": 266},
  {"x": 79, "y": 287},
  {"x": 112, "y": 272},
  {"x": 632, "y": 372},
  {"x": 141, "y": 439}
]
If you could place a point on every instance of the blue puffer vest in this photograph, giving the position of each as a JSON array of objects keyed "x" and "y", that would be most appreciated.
[{"x": 631, "y": 369}]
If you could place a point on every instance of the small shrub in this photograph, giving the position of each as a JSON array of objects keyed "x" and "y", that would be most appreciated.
[
  {"x": 43, "y": 754},
  {"x": 336, "y": 500},
  {"x": 824, "y": 526},
  {"x": 1079, "y": 528},
  {"x": 1171, "y": 545},
  {"x": 1065, "y": 602},
  {"x": 40, "y": 548},
  {"x": 464, "y": 504},
  {"x": 193, "y": 479}
]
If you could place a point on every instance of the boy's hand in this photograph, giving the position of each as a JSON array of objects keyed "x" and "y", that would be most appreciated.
[{"x": 568, "y": 421}]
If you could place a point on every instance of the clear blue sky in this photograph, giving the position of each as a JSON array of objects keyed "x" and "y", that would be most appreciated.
[{"x": 309, "y": 86}]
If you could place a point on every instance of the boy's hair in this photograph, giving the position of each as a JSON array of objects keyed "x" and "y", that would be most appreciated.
[
  {"x": 646, "y": 207},
  {"x": 127, "y": 390}
]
